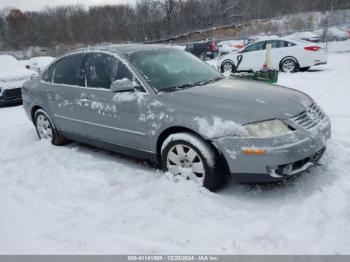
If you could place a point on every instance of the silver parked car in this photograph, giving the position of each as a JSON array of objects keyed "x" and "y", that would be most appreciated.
[{"x": 165, "y": 105}]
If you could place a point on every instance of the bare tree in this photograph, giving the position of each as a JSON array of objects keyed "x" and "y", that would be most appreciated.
[
  {"x": 169, "y": 7},
  {"x": 228, "y": 9},
  {"x": 147, "y": 20}
]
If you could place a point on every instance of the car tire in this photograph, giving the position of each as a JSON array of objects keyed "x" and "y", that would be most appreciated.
[
  {"x": 289, "y": 65},
  {"x": 46, "y": 129},
  {"x": 304, "y": 69},
  {"x": 191, "y": 157},
  {"x": 227, "y": 66}
]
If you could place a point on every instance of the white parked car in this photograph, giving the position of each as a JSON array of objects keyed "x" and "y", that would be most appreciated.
[
  {"x": 306, "y": 36},
  {"x": 332, "y": 34},
  {"x": 12, "y": 77},
  {"x": 286, "y": 55},
  {"x": 39, "y": 63},
  {"x": 229, "y": 46}
]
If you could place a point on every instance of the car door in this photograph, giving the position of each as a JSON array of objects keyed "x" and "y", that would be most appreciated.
[
  {"x": 64, "y": 81},
  {"x": 279, "y": 50},
  {"x": 109, "y": 116},
  {"x": 253, "y": 57}
]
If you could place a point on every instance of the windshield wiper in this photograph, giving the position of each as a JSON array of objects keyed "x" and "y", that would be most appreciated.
[
  {"x": 178, "y": 87},
  {"x": 211, "y": 80},
  {"x": 188, "y": 85}
]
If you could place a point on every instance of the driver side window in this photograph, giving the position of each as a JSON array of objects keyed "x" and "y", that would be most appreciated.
[
  {"x": 124, "y": 72},
  {"x": 101, "y": 70}
]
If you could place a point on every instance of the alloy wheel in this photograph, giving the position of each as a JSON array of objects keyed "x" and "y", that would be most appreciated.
[
  {"x": 44, "y": 127},
  {"x": 289, "y": 66},
  {"x": 227, "y": 66},
  {"x": 185, "y": 161}
]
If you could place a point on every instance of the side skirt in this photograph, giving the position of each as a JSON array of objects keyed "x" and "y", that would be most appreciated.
[{"x": 124, "y": 150}]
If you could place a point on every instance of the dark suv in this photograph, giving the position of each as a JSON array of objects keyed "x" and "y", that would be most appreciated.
[{"x": 203, "y": 49}]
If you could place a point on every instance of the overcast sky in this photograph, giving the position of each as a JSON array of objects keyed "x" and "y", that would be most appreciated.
[{"x": 35, "y": 5}]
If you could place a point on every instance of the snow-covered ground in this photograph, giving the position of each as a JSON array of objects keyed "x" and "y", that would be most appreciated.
[{"x": 77, "y": 199}]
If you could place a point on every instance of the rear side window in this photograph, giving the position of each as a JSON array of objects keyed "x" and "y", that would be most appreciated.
[
  {"x": 288, "y": 44},
  {"x": 68, "y": 70},
  {"x": 101, "y": 70},
  {"x": 276, "y": 43},
  {"x": 47, "y": 76},
  {"x": 256, "y": 47}
]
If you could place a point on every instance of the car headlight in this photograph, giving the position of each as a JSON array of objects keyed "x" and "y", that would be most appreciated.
[{"x": 269, "y": 128}]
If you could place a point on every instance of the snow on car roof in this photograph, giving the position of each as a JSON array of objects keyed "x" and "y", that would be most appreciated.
[
  {"x": 305, "y": 34},
  {"x": 125, "y": 49}
]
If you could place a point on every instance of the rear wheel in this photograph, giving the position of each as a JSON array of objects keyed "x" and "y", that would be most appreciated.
[
  {"x": 289, "y": 65},
  {"x": 186, "y": 155},
  {"x": 46, "y": 130}
]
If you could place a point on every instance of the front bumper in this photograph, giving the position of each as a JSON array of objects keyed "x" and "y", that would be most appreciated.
[
  {"x": 11, "y": 96},
  {"x": 284, "y": 156}
]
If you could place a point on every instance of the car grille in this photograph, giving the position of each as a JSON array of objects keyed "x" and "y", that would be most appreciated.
[
  {"x": 310, "y": 117},
  {"x": 12, "y": 93}
]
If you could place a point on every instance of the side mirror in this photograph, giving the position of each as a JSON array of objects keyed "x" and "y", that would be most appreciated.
[{"x": 122, "y": 85}]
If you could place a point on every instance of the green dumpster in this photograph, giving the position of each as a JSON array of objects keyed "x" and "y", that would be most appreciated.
[{"x": 270, "y": 76}]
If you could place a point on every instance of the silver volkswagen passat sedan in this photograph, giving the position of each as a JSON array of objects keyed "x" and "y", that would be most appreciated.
[{"x": 165, "y": 105}]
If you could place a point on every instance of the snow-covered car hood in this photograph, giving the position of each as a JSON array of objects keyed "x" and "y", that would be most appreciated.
[
  {"x": 40, "y": 62},
  {"x": 241, "y": 101},
  {"x": 9, "y": 75}
]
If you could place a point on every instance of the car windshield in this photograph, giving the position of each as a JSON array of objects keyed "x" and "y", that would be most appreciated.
[{"x": 169, "y": 69}]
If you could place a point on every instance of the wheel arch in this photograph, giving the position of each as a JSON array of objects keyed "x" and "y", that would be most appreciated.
[
  {"x": 178, "y": 129},
  {"x": 33, "y": 110},
  {"x": 36, "y": 108}
]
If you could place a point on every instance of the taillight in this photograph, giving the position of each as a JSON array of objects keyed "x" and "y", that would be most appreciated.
[{"x": 312, "y": 48}]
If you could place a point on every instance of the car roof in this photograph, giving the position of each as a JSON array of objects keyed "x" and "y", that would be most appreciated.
[
  {"x": 124, "y": 49},
  {"x": 200, "y": 41},
  {"x": 268, "y": 39},
  {"x": 271, "y": 39}
]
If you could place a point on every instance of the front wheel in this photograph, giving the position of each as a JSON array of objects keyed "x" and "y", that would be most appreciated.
[
  {"x": 46, "y": 130},
  {"x": 227, "y": 66},
  {"x": 289, "y": 66},
  {"x": 186, "y": 155}
]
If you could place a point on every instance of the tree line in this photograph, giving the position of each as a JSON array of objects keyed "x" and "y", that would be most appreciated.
[{"x": 147, "y": 20}]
